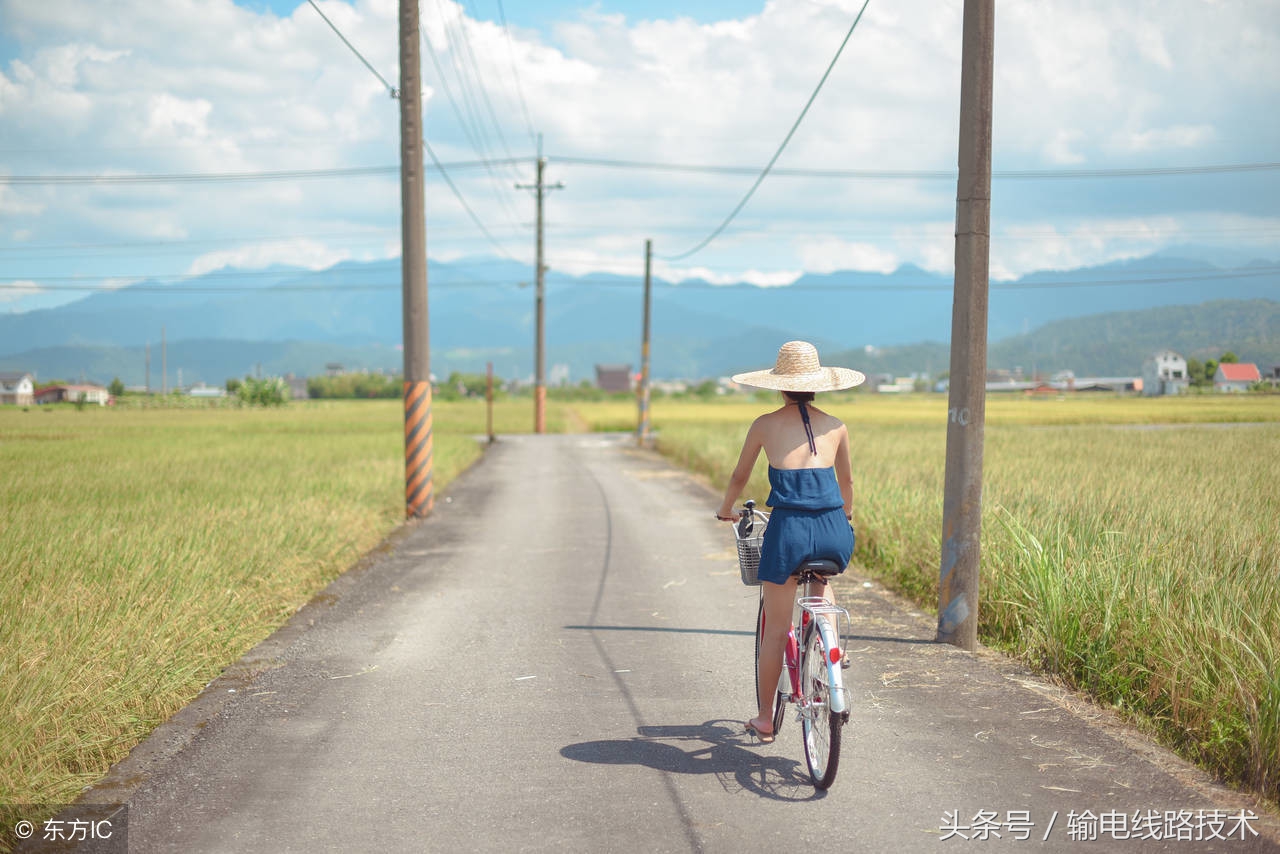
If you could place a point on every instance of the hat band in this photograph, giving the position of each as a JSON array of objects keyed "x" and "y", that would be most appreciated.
[{"x": 820, "y": 372}]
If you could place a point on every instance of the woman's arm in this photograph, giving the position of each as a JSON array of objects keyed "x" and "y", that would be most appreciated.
[
  {"x": 742, "y": 471},
  {"x": 844, "y": 471}
]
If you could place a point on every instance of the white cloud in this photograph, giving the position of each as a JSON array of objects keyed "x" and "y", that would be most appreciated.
[
  {"x": 826, "y": 254},
  {"x": 1166, "y": 138},
  {"x": 172, "y": 118},
  {"x": 308, "y": 254},
  {"x": 16, "y": 290},
  {"x": 208, "y": 86}
]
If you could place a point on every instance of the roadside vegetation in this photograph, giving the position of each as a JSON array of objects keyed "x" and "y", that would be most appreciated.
[{"x": 1129, "y": 546}]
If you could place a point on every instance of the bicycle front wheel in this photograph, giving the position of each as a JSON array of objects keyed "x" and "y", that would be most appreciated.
[{"x": 821, "y": 726}]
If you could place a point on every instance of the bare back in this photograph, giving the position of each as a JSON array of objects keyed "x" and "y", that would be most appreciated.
[{"x": 781, "y": 434}]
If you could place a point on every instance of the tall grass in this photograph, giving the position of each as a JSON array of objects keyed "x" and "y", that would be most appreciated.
[
  {"x": 1140, "y": 564},
  {"x": 142, "y": 551}
]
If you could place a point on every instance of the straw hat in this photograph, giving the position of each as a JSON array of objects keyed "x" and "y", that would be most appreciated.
[{"x": 798, "y": 369}]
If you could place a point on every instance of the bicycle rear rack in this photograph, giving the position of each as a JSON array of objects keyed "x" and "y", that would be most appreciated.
[{"x": 817, "y": 606}]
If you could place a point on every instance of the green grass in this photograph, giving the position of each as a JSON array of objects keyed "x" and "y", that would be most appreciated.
[
  {"x": 142, "y": 551},
  {"x": 1135, "y": 562}
]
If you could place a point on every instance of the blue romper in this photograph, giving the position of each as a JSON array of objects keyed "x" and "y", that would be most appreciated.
[{"x": 807, "y": 522}]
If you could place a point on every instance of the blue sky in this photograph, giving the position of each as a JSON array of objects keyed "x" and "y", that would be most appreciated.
[{"x": 192, "y": 87}]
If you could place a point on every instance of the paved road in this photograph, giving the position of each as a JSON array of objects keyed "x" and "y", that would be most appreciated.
[{"x": 558, "y": 660}]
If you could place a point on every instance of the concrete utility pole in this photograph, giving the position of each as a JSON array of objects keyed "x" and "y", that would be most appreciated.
[
  {"x": 418, "y": 495},
  {"x": 966, "y": 415},
  {"x": 540, "y": 346},
  {"x": 642, "y": 432}
]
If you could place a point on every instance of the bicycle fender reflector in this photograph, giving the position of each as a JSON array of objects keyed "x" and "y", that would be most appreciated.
[{"x": 835, "y": 676}]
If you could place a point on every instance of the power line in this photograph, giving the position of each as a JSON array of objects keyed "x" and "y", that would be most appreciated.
[
  {"x": 920, "y": 174},
  {"x": 395, "y": 93},
  {"x": 473, "y": 134},
  {"x": 448, "y": 91},
  {"x": 702, "y": 168},
  {"x": 484, "y": 89},
  {"x": 216, "y": 177},
  {"x": 444, "y": 174},
  {"x": 524, "y": 107},
  {"x": 440, "y": 166},
  {"x": 781, "y": 147}
]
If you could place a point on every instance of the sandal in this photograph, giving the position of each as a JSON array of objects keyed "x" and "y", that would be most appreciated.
[{"x": 765, "y": 737}]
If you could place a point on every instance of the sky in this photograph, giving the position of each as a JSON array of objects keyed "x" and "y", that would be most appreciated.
[{"x": 146, "y": 91}]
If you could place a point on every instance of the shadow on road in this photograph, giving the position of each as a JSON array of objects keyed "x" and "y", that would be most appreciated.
[
  {"x": 721, "y": 748},
  {"x": 667, "y": 629}
]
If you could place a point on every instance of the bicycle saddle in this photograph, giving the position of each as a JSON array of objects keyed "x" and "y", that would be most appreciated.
[{"x": 820, "y": 566}]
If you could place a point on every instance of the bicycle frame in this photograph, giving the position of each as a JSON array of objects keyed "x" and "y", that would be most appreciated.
[
  {"x": 813, "y": 660},
  {"x": 807, "y": 609}
]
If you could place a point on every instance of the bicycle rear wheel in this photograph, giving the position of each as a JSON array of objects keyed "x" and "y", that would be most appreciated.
[
  {"x": 821, "y": 726},
  {"x": 780, "y": 699}
]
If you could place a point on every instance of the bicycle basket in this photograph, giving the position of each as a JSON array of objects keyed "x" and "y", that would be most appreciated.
[{"x": 749, "y": 551}]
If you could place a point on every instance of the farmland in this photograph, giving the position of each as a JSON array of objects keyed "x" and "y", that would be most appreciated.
[{"x": 1129, "y": 548}]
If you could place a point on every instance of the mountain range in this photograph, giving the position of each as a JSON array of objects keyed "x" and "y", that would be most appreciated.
[{"x": 1098, "y": 320}]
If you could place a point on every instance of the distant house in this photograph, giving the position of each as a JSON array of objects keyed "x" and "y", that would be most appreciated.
[
  {"x": 297, "y": 387},
  {"x": 875, "y": 381},
  {"x": 1235, "y": 377},
  {"x": 1165, "y": 373},
  {"x": 73, "y": 393},
  {"x": 613, "y": 377},
  {"x": 17, "y": 388},
  {"x": 206, "y": 391}
]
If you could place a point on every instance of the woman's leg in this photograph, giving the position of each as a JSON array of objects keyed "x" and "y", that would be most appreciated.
[{"x": 778, "y": 602}]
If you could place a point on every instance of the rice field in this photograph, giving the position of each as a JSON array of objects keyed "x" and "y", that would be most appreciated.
[{"x": 1130, "y": 547}]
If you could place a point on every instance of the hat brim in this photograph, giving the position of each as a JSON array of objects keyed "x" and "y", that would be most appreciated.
[{"x": 823, "y": 379}]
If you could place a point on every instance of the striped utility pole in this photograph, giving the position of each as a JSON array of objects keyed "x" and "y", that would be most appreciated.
[
  {"x": 966, "y": 415},
  {"x": 418, "y": 497},
  {"x": 642, "y": 432}
]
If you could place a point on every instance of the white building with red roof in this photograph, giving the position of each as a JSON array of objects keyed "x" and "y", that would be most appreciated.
[
  {"x": 1235, "y": 376},
  {"x": 73, "y": 393}
]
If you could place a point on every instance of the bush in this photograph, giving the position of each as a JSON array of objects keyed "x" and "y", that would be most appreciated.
[
  {"x": 270, "y": 391},
  {"x": 355, "y": 386}
]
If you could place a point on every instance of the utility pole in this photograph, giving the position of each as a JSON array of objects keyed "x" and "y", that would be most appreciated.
[
  {"x": 418, "y": 494},
  {"x": 966, "y": 414},
  {"x": 488, "y": 400},
  {"x": 164, "y": 365},
  {"x": 642, "y": 433},
  {"x": 148, "y": 361},
  {"x": 540, "y": 344}
]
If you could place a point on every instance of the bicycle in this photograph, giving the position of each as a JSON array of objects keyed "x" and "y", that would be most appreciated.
[{"x": 812, "y": 677}]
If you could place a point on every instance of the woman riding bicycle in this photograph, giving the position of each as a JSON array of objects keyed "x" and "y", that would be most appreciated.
[{"x": 811, "y": 498}]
